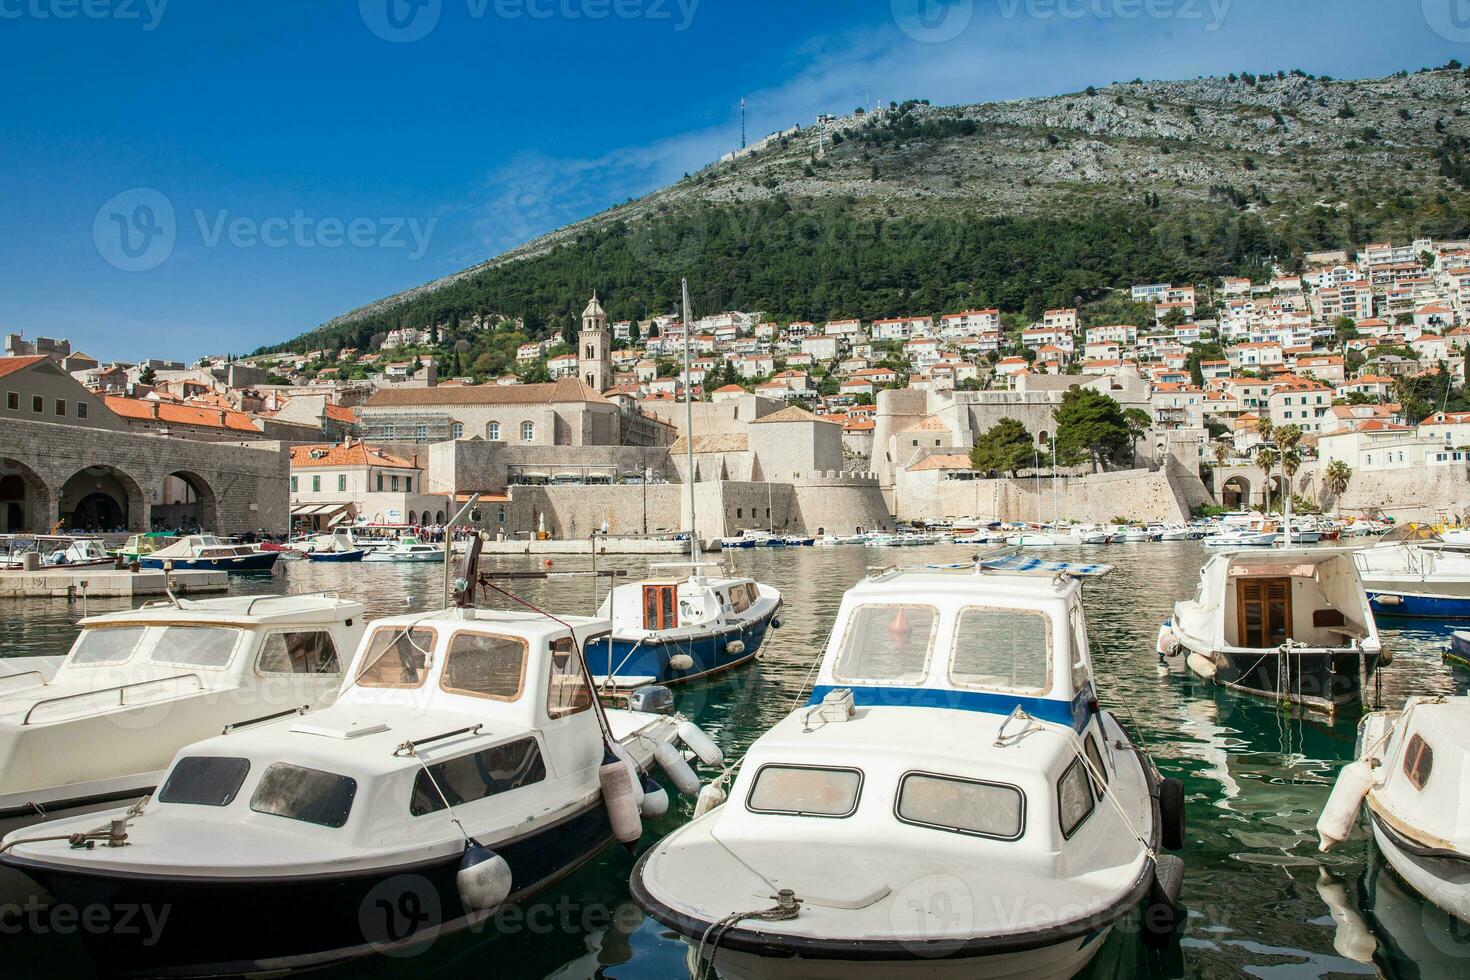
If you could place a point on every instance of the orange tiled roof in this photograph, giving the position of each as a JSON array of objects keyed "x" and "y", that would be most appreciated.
[
  {"x": 179, "y": 414},
  {"x": 338, "y": 455},
  {"x": 10, "y": 365}
]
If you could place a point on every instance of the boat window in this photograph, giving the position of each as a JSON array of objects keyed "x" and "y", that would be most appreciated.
[
  {"x": 204, "y": 780},
  {"x": 966, "y": 806},
  {"x": 195, "y": 646},
  {"x": 805, "y": 791},
  {"x": 308, "y": 795},
  {"x": 1095, "y": 757},
  {"x": 304, "y": 652},
  {"x": 1081, "y": 672},
  {"x": 740, "y": 597},
  {"x": 658, "y": 607},
  {"x": 478, "y": 775},
  {"x": 484, "y": 665},
  {"x": 567, "y": 692},
  {"x": 106, "y": 645},
  {"x": 397, "y": 657},
  {"x": 1002, "y": 650},
  {"x": 1075, "y": 801},
  {"x": 1418, "y": 761},
  {"x": 887, "y": 643}
]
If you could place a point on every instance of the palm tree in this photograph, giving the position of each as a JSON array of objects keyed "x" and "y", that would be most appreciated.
[
  {"x": 1266, "y": 460},
  {"x": 1288, "y": 437},
  {"x": 1222, "y": 453},
  {"x": 1265, "y": 428},
  {"x": 1336, "y": 479}
]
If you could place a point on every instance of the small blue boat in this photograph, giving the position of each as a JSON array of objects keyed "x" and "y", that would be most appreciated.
[
  {"x": 206, "y": 552},
  {"x": 672, "y": 630},
  {"x": 1457, "y": 650},
  {"x": 354, "y": 555}
]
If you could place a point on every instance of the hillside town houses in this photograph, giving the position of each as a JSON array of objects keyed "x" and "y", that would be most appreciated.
[{"x": 1321, "y": 346}]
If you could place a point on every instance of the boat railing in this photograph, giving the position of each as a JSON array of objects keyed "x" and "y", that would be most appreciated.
[
  {"x": 329, "y": 594},
  {"x": 25, "y": 673},
  {"x": 121, "y": 692}
]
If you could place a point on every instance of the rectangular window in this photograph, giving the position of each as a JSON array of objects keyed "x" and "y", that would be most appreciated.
[
  {"x": 38, "y": 404},
  {"x": 805, "y": 791},
  {"x": 658, "y": 607},
  {"x": 195, "y": 646},
  {"x": 306, "y": 652},
  {"x": 397, "y": 658},
  {"x": 81, "y": 410},
  {"x": 202, "y": 780},
  {"x": 61, "y": 407},
  {"x": 341, "y": 481},
  {"x": 408, "y": 484},
  {"x": 474, "y": 777},
  {"x": 380, "y": 483},
  {"x": 308, "y": 795},
  {"x": 393, "y": 482},
  {"x": 293, "y": 484},
  {"x": 1002, "y": 650},
  {"x": 484, "y": 665},
  {"x": 316, "y": 484},
  {"x": 567, "y": 692},
  {"x": 887, "y": 643},
  {"x": 106, "y": 645},
  {"x": 1075, "y": 801},
  {"x": 12, "y": 401},
  {"x": 965, "y": 806}
]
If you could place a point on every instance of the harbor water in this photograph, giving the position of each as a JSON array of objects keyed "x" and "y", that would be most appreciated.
[{"x": 1256, "y": 888}]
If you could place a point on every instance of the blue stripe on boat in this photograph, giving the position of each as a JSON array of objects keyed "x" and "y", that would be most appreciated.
[
  {"x": 1416, "y": 606},
  {"x": 1074, "y": 713}
]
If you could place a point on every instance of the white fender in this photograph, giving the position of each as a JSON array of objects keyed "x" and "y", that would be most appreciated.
[
  {"x": 701, "y": 744},
  {"x": 711, "y": 796},
  {"x": 655, "y": 801},
  {"x": 622, "y": 753},
  {"x": 618, "y": 796},
  {"x": 680, "y": 773},
  {"x": 1340, "y": 814},
  {"x": 1202, "y": 665},
  {"x": 681, "y": 661},
  {"x": 483, "y": 879},
  {"x": 735, "y": 647},
  {"x": 1167, "y": 644}
]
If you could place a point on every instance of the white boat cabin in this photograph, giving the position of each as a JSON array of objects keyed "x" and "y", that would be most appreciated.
[
  {"x": 139, "y": 684},
  {"x": 203, "y": 546},
  {"x": 1262, "y": 599},
  {"x": 655, "y": 607}
]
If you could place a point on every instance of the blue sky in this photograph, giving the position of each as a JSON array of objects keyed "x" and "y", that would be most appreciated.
[{"x": 318, "y": 155}]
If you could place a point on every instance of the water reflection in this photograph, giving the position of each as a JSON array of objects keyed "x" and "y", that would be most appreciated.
[{"x": 1255, "y": 779}]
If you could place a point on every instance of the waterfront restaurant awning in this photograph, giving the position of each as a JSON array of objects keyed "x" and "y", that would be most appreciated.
[{"x": 318, "y": 510}]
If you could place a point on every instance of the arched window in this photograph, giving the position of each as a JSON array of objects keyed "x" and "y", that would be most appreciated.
[
  {"x": 438, "y": 517},
  {"x": 411, "y": 518},
  {"x": 591, "y": 352},
  {"x": 456, "y": 431},
  {"x": 492, "y": 432},
  {"x": 528, "y": 431}
]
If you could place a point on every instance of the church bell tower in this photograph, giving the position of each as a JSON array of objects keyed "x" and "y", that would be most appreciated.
[{"x": 593, "y": 363}]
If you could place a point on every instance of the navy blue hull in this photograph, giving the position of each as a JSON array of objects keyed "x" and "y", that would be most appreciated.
[
  {"x": 334, "y": 555},
  {"x": 709, "y": 651},
  {"x": 261, "y": 561},
  {"x": 240, "y": 925},
  {"x": 1418, "y": 606}
]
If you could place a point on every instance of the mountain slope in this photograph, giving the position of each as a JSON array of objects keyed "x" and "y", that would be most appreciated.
[{"x": 1023, "y": 204}]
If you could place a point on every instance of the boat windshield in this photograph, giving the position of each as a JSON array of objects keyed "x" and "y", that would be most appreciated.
[
  {"x": 1002, "y": 650},
  {"x": 176, "y": 645},
  {"x": 887, "y": 643},
  {"x": 396, "y": 657}
]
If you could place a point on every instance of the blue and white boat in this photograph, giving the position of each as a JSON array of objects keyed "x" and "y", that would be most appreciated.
[
  {"x": 952, "y": 802},
  {"x": 206, "y": 552},
  {"x": 1413, "y": 572},
  {"x": 677, "y": 628},
  {"x": 339, "y": 546}
]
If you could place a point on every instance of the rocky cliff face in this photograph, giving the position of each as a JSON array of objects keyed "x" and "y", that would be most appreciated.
[{"x": 1274, "y": 145}]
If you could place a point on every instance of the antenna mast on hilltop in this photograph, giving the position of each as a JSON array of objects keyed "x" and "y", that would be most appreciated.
[{"x": 742, "y": 122}]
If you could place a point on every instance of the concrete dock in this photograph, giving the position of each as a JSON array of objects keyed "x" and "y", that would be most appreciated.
[
  {"x": 104, "y": 582},
  {"x": 584, "y": 546}
]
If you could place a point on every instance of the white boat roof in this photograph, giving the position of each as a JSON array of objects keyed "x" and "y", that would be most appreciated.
[
  {"x": 260, "y": 610},
  {"x": 532, "y": 625}
]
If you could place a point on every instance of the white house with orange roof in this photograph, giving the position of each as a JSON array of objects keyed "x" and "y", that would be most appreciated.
[
  {"x": 1432, "y": 347},
  {"x": 970, "y": 322},
  {"x": 823, "y": 347},
  {"x": 843, "y": 328},
  {"x": 1255, "y": 356},
  {"x": 1212, "y": 369},
  {"x": 1060, "y": 319},
  {"x": 727, "y": 393},
  {"x": 1376, "y": 386},
  {"x": 1327, "y": 368},
  {"x": 1439, "y": 317},
  {"x": 1124, "y": 334},
  {"x": 1047, "y": 336},
  {"x": 1010, "y": 366},
  {"x": 1305, "y": 404}
]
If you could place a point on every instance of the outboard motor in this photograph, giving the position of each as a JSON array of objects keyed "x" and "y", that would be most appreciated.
[{"x": 654, "y": 699}]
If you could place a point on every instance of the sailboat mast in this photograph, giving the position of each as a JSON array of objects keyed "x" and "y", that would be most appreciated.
[{"x": 689, "y": 426}]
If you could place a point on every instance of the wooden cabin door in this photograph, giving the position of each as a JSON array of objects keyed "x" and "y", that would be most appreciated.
[
  {"x": 658, "y": 607},
  {"x": 1263, "y": 607}
]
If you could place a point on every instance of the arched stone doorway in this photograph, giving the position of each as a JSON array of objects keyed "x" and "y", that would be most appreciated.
[
  {"x": 26, "y": 504},
  {"x": 1235, "y": 494},
  {"x": 101, "y": 498},
  {"x": 185, "y": 502}
]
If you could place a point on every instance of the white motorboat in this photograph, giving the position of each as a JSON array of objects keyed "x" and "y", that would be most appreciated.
[
  {"x": 1413, "y": 572},
  {"x": 207, "y": 552},
  {"x": 1094, "y": 534},
  {"x": 1241, "y": 538},
  {"x": 880, "y": 539},
  {"x": 139, "y": 684},
  {"x": 1291, "y": 625},
  {"x": 54, "y": 550},
  {"x": 951, "y": 802},
  {"x": 1135, "y": 534},
  {"x": 1038, "y": 537},
  {"x": 407, "y": 548},
  {"x": 466, "y": 765},
  {"x": 1171, "y": 532},
  {"x": 677, "y": 628},
  {"x": 1411, "y": 770}
]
